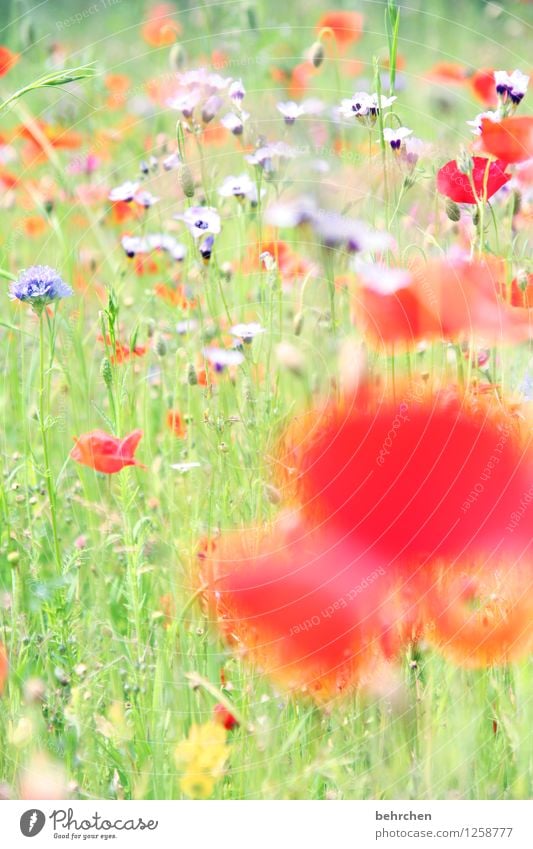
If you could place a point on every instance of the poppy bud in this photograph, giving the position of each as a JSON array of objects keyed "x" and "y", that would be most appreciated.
[
  {"x": 298, "y": 323},
  {"x": 316, "y": 54},
  {"x": 452, "y": 210},
  {"x": 223, "y": 716},
  {"x": 251, "y": 14},
  {"x": 517, "y": 202},
  {"x": 192, "y": 377},
  {"x": 186, "y": 181},
  {"x": 106, "y": 372},
  {"x": 27, "y": 33},
  {"x": 177, "y": 57},
  {"x": 160, "y": 346},
  {"x": 475, "y": 217},
  {"x": 150, "y": 328}
]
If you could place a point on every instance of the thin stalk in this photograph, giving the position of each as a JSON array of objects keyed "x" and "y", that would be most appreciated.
[{"x": 44, "y": 439}]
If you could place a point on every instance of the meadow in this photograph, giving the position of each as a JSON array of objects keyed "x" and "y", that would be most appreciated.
[{"x": 252, "y": 274}]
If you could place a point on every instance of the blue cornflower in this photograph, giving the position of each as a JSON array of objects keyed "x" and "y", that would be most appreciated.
[{"x": 39, "y": 285}]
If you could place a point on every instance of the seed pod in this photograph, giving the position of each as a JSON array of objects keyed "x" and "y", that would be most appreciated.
[
  {"x": 192, "y": 377},
  {"x": 316, "y": 54},
  {"x": 160, "y": 346},
  {"x": 186, "y": 180},
  {"x": 298, "y": 323},
  {"x": 106, "y": 372},
  {"x": 251, "y": 15},
  {"x": 452, "y": 211},
  {"x": 150, "y": 328},
  {"x": 177, "y": 57}
]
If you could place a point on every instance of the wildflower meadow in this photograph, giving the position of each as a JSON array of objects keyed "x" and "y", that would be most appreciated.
[{"x": 266, "y": 489}]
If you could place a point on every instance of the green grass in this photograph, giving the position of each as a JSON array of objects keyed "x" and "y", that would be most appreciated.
[{"x": 95, "y": 632}]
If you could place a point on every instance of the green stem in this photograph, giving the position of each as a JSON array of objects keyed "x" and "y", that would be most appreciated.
[{"x": 44, "y": 438}]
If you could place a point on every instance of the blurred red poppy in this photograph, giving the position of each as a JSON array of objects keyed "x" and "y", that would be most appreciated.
[
  {"x": 479, "y": 618},
  {"x": 511, "y": 140},
  {"x": 306, "y": 605},
  {"x": 347, "y": 27},
  {"x": 447, "y": 73},
  {"x": 7, "y": 60},
  {"x": 487, "y": 177},
  {"x": 223, "y": 716},
  {"x": 483, "y": 86},
  {"x": 123, "y": 352},
  {"x": 412, "y": 479},
  {"x": 4, "y": 667},
  {"x": 159, "y": 29},
  {"x": 443, "y": 298},
  {"x": 105, "y": 453},
  {"x": 176, "y": 424}
]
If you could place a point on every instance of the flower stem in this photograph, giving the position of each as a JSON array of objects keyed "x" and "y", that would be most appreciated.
[{"x": 42, "y": 424}]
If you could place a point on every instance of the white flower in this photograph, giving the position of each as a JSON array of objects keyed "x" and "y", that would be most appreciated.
[
  {"x": 357, "y": 106},
  {"x": 126, "y": 192},
  {"x": 145, "y": 199},
  {"x": 237, "y": 91},
  {"x": 201, "y": 220},
  {"x": 186, "y": 326},
  {"x": 222, "y": 357},
  {"x": 491, "y": 115},
  {"x": 395, "y": 136},
  {"x": 185, "y": 102},
  {"x": 171, "y": 161},
  {"x": 238, "y": 187},
  {"x": 263, "y": 155},
  {"x": 134, "y": 245},
  {"x": 518, "y": 83},
  {"x": 185, "y": 467},
  {"x": 291, "y": 213},
  {"x": 234, "y": 123},
  {"x": 246, "y": 332},
  {"x": 515, "y": 84},
  {"x": 364, "y": 105},
  {"x": 290, "y": 110}
]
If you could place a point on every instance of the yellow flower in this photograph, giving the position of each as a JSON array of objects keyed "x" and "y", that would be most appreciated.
[
  {"x": 197, "y": 785},
  {"x": 202, "y": 757}
]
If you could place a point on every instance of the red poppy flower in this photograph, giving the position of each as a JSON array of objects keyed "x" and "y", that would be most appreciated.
[
  {"x": 521, "y": 294},
  {"x": 299, "y": 79},
  {"x": 347, "y": 27},
  {"x": 7, "y": 60},
  {"x": 176, "y": 424},
  {"x": 123, "y": 352},
  {"x": 105, "y": 453},
  {"x": 487, "y": 176},
  {"x": 306, "y": 605},
  {"x": 511, "y": 140},
  {"x": 443, "y": 298},
  {"x": 479, "y": 619},
  {"x": 483, "y": 86},
  {"x": 413, "y": 479},
  {"x": 223, "y": 716},
  {"x": 159, "y": 30},
  {"x": 447, "y": 73}
]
